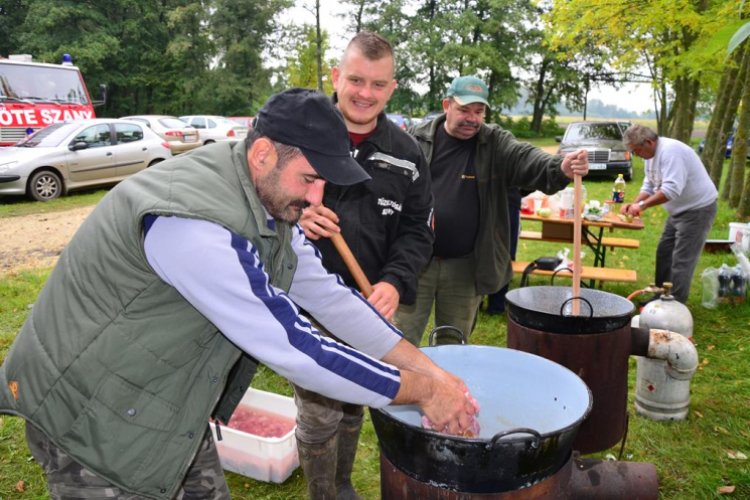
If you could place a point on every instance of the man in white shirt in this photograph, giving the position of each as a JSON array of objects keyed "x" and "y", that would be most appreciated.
[{"x": 675, "y": 178}]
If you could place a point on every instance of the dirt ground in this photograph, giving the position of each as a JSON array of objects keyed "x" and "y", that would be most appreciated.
[{"x": 33, "y": 241}]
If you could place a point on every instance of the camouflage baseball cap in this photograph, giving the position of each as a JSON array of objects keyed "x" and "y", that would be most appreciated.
[{"x": 468, "y": 90}]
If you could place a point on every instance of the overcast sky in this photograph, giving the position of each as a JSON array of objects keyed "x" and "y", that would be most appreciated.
[{"x": 632, "y": 97}]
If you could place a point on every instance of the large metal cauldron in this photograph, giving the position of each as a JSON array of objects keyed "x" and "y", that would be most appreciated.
[
  {"x": 549, "y": 309},
  {"x": 595, "y": 345},
  {"x": 531, "y": 411}
]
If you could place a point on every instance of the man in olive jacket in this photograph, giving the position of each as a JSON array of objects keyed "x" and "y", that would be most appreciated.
[
  {"x": 471, "y": 165},
  {"x": 183, "y": 279}
]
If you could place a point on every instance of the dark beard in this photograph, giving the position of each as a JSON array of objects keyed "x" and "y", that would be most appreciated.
[{"x": 279, "y": 207}]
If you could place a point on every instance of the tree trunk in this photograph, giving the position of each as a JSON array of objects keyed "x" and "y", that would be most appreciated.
[
  {"x": 686, "y": 90},
  {"x": 717, "y": 116},
  {"x": 434, "y": 97},
  {"x": 739, "y": 150},
  {"x": 318, "y": 45},
  {"x": 716, "y": 161},
  {"x": 677, "y": 105},
  {"x": 685, "y": 97},
  {"x": 663, "y": 124},
  {"x": 694, "y": 95},
  {"x": 739, "y": 153},
  {"x": 360, "y": 13},
  {"x": 536, "y": 119},
  {"x": 660, "y": 97},
  {"x": 586, "y": 97},
  {"x": 489, "y": 114}
]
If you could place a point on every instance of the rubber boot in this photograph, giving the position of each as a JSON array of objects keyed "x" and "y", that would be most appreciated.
[
  {"x": 318, "y": 462},
  {"x": 347, "y": 450}
]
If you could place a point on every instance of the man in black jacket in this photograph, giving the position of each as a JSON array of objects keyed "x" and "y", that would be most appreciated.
[{"x": 386, "y": 223}]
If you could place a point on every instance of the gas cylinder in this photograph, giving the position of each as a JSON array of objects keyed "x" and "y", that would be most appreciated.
[{"x": 659, "y": 395}]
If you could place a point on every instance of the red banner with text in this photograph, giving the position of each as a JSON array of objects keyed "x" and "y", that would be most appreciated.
[{"x": 42, "y": 115}]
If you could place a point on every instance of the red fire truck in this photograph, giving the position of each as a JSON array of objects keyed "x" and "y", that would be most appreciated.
[{"x": 34, "y": 95}]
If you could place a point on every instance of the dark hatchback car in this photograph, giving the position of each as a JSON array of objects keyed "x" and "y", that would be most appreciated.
[
  {"x": 603, "y": 140},
  {"x": 730, "y": 142},
  {"x": 402, "y": 121}
]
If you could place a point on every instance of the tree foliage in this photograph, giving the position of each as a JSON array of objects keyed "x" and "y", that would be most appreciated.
[
  {"x": 302, "y": 63},
  {"x": 228, "y": 56},
  {"x": 662, "y": 36},
  {"x": 172, "y": 56},
  {"x": 12, "y": 14}
]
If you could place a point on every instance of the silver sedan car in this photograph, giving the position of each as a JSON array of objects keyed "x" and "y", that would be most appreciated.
[
  {"x": 179, "y": 135},
  {"x": 78, "y": 154},
  {"x": 216, "y": 128}
]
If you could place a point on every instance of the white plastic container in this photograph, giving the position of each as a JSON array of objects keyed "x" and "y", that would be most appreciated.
[
  {"x": 566, "y": 201},
  {"x": 740, "y": 232},
  {"x": 261, "y": 458}
]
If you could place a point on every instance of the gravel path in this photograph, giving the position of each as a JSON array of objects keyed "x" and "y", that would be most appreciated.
[{"x": 32, "y": 241}]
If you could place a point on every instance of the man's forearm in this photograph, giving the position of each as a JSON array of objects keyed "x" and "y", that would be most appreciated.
[
  {"x": 407, "y": 357},
  {"x": 415, "y": 389},
  {"x": 641, "y": 196},
  {"x": 653, "y": 200}
]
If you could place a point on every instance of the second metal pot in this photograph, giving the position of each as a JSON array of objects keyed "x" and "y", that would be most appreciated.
[{"x": 548, "y": 309}]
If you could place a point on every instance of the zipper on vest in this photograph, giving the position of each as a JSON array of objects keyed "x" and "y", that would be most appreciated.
[
  {"x": 218, "y": 431},
  {"x": 278, "y": 261}
]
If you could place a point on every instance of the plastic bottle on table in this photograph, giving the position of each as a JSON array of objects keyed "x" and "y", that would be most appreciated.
[{"x": 618, "y": 192}]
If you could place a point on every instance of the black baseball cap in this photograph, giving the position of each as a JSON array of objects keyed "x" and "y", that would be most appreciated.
[{"x": 308, "y": 120}]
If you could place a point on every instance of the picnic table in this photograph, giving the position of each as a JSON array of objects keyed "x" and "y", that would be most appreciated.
[{"x": 557, "y": 230}]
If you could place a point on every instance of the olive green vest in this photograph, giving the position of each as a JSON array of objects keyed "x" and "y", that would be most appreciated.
[{"x": 113, "y": 364}]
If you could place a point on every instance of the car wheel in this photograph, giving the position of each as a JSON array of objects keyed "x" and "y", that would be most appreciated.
[
  {"x": 629, "y": 175},
  {"x": 208, "y": 142},
  {"x": 45, "y": 185},
  {"x": 158, "y": 160}
]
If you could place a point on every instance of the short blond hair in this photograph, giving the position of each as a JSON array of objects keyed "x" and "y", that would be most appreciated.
[{"x": 371, "y": 45}]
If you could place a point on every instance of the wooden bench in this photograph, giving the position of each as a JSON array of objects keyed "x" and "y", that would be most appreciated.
[
  {"x": 606, "y": 241},
  {"x": 601, "y": 274}
]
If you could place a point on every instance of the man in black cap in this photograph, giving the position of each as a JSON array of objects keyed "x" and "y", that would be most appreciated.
[{"x": 182, "y": 280}]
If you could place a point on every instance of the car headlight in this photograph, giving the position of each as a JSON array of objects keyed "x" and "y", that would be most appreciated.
[
  {"x": 619, "y": 155},
  {"x": 4, "y": 167}
]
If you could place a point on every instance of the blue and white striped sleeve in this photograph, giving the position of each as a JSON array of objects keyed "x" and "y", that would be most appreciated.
[
  {"x": 344, "y": 312},
  {"x": 220, "y": 274}
]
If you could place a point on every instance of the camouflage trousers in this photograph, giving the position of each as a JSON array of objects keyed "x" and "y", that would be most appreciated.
[{"x": 68, "y": 480}]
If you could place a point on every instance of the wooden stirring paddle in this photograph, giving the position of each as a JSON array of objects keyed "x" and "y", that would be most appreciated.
[
  {"x": 351, "y": 263},
  {"x": 577, "y": 228}
]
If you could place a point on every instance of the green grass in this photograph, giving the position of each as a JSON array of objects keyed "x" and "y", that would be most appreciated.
[
  {"x": 14, "y": 206},
  {"x": 690, "y": 457}
]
